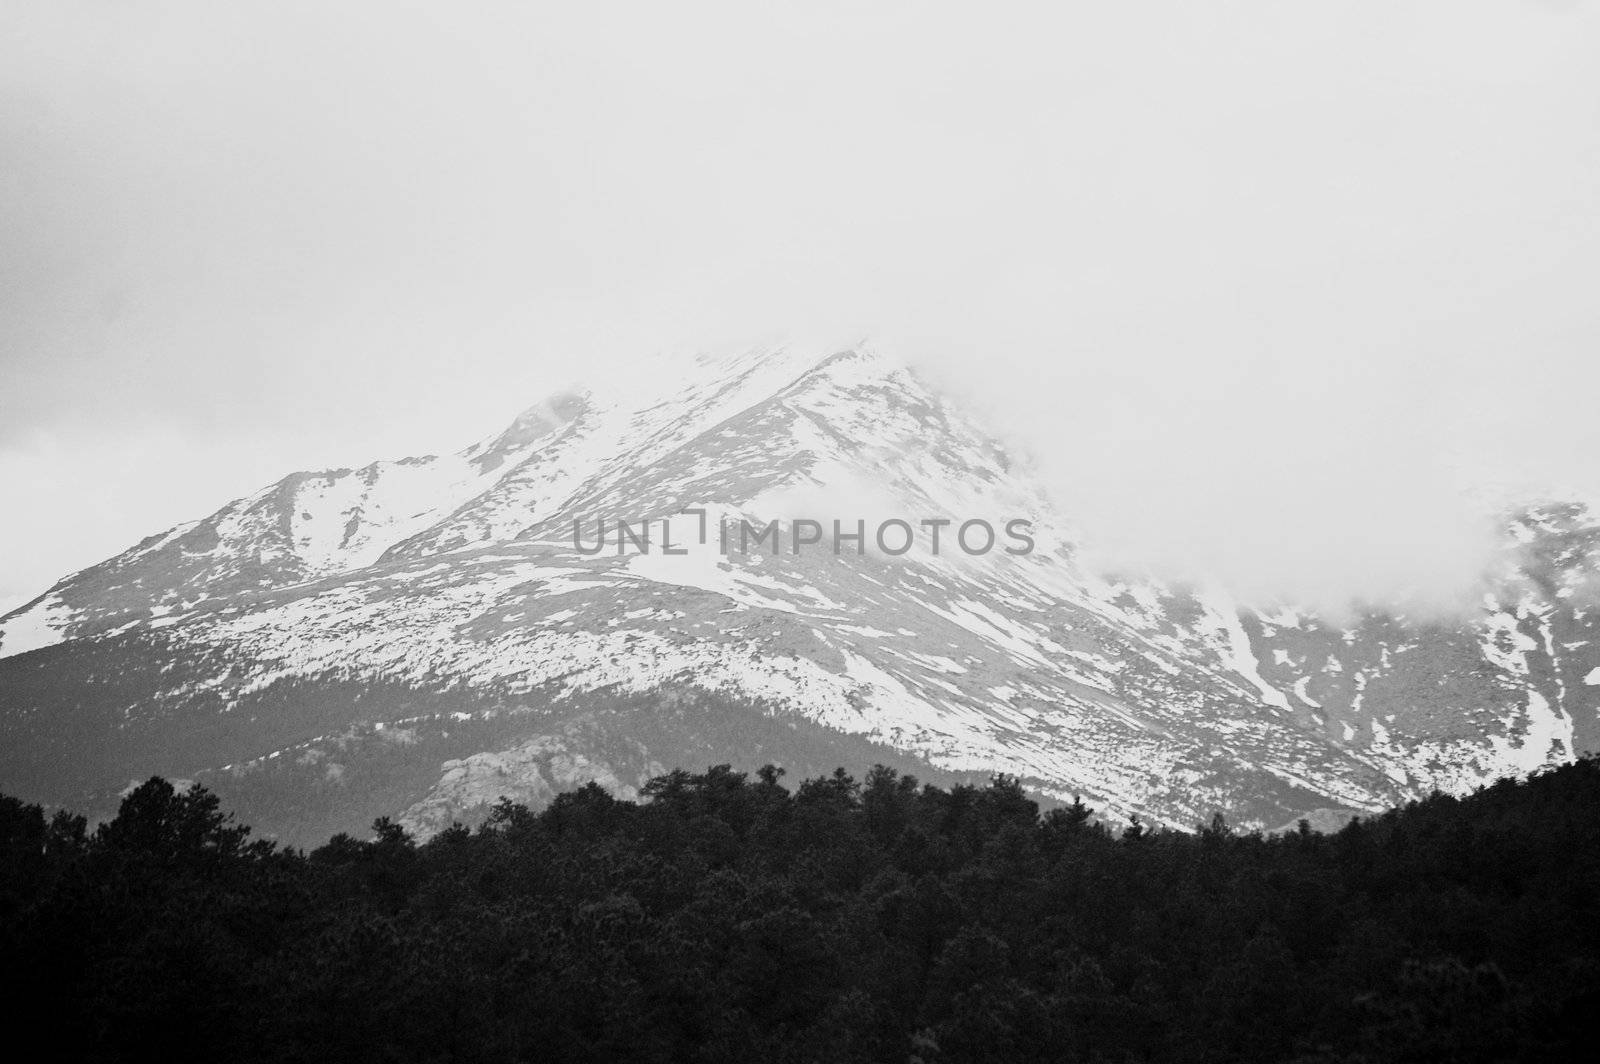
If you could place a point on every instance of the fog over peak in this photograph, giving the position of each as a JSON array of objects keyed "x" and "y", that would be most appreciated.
[
  {"x": 1318, "y": 487},
  {"x": 1265, "y": 292}
]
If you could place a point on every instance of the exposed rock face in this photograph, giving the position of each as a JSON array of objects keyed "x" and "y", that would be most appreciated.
[{"x": 531, "y": 773}]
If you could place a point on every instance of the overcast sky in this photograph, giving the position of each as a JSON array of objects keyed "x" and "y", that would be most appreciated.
[{"x": 1261, "y": 285}]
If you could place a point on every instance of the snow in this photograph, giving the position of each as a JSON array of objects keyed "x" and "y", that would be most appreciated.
[
  {"x": 1240, "y": 656},
  {"x": 706, "y": 570},
  {"x": 935, "y": 662},
  {"x": 42, "y": 626},
  {"x": 1282, "y": 618},
  {"x": 1547, "y": 737},
  {"x": 997, "y": 629}
]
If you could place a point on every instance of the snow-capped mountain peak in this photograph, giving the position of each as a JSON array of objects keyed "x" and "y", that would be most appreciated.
[{"x": 491, "y": 591}]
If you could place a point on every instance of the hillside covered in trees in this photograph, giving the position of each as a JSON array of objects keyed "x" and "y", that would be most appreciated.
[{"x": 727, "y": 918}]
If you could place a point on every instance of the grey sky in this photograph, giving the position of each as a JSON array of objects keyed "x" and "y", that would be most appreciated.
[{"x": 1258, "y": 283}]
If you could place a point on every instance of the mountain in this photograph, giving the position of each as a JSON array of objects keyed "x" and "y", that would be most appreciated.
[{"x": 428, "y": 634}]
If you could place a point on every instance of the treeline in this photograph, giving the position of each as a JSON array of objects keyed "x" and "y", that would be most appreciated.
[{"x": 728, "y": 918}]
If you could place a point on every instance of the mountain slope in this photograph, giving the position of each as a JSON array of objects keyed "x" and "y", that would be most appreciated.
[{"x": 456, "y": 598}]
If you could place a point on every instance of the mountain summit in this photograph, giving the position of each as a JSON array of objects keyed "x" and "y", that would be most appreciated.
[{"x": 426, "y": 635}]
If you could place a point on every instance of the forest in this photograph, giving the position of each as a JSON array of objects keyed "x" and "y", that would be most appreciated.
[{"x": 729, "y": 917}]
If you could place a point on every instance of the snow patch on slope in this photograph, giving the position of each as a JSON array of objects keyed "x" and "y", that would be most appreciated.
[
  {"x": 1241, "y": 657},
  {"x": 42, "y": 626}
]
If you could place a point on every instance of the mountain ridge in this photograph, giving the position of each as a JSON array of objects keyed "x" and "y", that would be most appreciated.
[{"x": 460, "y": 573}]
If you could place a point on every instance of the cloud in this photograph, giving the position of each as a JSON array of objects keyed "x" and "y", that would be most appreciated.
[{"x": 1253, "y": 283}]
